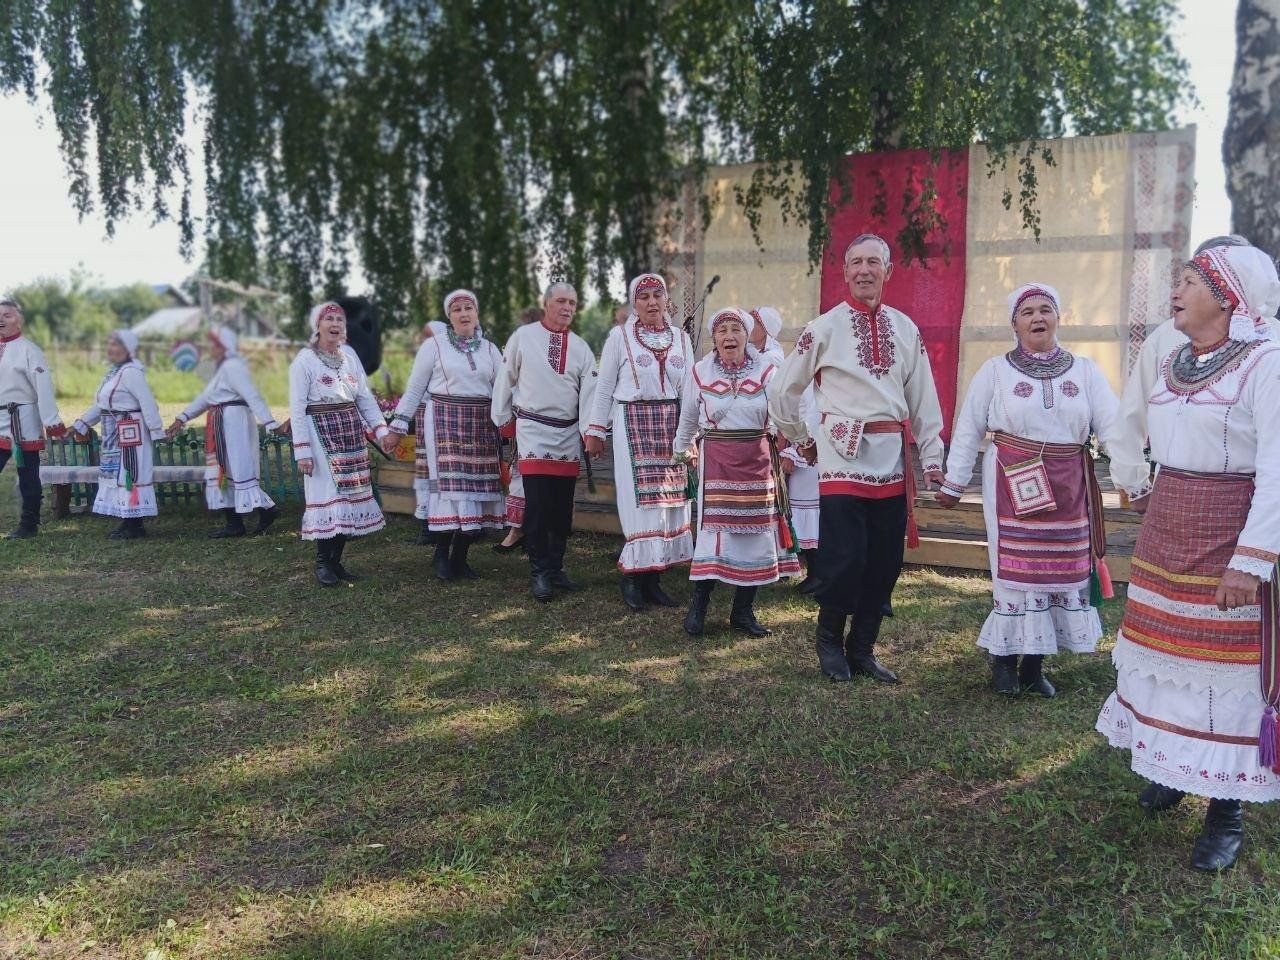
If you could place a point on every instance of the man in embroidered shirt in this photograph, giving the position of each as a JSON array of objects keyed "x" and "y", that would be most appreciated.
[
  {"x": 875, "y": 394},
  {"x": 27, "y": 409},
  {"x": 553, "y": 372}
]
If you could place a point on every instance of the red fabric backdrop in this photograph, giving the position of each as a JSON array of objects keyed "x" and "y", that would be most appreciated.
[{"x": 931, "y": 294}]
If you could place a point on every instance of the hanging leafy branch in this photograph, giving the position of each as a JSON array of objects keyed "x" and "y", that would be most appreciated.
[{"x": 483, "y": 142}]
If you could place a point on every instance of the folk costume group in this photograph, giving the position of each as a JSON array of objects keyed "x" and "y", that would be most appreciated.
[{"x": 743, "y": 462}]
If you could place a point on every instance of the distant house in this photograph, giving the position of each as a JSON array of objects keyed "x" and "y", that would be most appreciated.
[
  {"x": 170, "y": 322},
  {"x": 171, "y": 293}
]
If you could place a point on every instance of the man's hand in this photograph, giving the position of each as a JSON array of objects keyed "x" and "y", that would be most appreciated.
[
  {"x": 306, "y": 466},
  {"x": 933, "y": 478},
  {"x": 594, "y": 446},
  {"x": 1140, "y": 505},
  {"x": 388, "y": 442},
  {"x": 1236, "y": 589},
  {"x": 810, "y": 453},
  {"x": 172, "y": 430},
  {"x": 788, "y": 466}
]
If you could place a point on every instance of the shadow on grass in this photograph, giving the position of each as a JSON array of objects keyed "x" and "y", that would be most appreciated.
[{"x": 196, "y": 733}]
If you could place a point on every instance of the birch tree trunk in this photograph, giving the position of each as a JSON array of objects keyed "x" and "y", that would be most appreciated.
[{"x": 1251, "y": 145}]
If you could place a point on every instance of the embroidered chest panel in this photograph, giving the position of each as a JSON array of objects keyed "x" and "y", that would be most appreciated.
[{"x": 876, "y": 349}]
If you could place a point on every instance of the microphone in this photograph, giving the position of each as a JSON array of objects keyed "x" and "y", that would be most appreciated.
[{"x": 712, "y": 285}]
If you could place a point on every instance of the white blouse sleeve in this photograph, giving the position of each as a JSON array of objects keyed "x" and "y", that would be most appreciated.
[
  {"x": 1104, "y": 408},
  {"x": 788, "y": 386},
  {"x": 201, "y": 403},
  {"x": 366, "y": 403},
  {"x": 971, "y": 426},
  {"x": 136, "y": 380},
  {"x": 500, "y": 408},
  {"x": 587, "y": 386},
  {"x": 419, "y": 379},
  {"x": 299, "y": 388},
  {"x": 610, "y": 362},
  {"x": 688, "y": 427},
  {"x": 1259, "y": 542}
]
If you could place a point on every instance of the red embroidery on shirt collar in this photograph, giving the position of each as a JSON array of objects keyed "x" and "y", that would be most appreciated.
[{"x": 12, "y": 338}]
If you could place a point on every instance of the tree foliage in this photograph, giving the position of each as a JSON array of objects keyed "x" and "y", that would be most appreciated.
[
  {"x": 78, "y": 311},
  {"x": 484, "y": 142}
]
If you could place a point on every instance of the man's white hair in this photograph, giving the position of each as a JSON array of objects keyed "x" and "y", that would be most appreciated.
[
  {"x": 863, "y": 238},
  {"x": 558, "y": 285}
]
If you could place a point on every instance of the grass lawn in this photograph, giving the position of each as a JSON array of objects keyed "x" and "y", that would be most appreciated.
[{"x": 202, "y": 754}]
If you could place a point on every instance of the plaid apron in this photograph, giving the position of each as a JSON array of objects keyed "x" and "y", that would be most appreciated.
[
  {"x": 468, "y": 447},
  {"x": 341, "y": 434},
  {"x": 651, "y": 428}
]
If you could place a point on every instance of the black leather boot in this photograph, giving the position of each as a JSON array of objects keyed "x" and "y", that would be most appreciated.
[
  {"x": 864, "y": 628},
  {"x": 234, "y": 526},
  {"x": 1219, "y": 844},
  {"x": 129, "y": 529},
  {"x": 632, "y": 596},
  {"x": 1031, "y": 676},
  {"x": 1004, "y": 675},
  {"x": 440, "y": 562},
  {"x": 425, "y": 537},
  {"x": 1158, "y": 798},
  {"x": 335, "y": 559},
  {"x": 830, "y": 644},
  {"x": 24, "y": 531},
  {"x": 266, "y": 517},
  {"x": 651, "y": 589},
  {"x": 324, "y": 555},
  {"x": 458, "y": 565},
  {"x": 743, "y": 615},
  {"x": 695, "y": 621},
  {"x": 563, "y": 581}
]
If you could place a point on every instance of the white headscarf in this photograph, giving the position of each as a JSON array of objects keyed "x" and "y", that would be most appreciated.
[
  {"x": 771, "y": 319},
  {"x": 1028, "y": 290},
  {"x": 319, "y": 312},
  {"x": 1243, "y": 278},
  {"x": 228, "y": 338},
  {"x": 460, "y": 294},
  {"x": 128, "y": 339},
  {"x": 644, "y": 282},
  {"x": 729, "y": 313}
]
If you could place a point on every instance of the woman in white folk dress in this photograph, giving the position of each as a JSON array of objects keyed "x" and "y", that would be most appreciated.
[
  {"x": 233, "y": 408},
  {"x": 333, "y": 414},
  {"x": 130, "y": 424},
  {"x": 449, "y": 391},
  {"x": 744, "y": 537},
  {"x": 1041, "y": 404},
  {"x": 1197, "y": 657}
]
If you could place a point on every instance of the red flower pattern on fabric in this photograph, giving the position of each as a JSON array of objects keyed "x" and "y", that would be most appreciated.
[{"x": 805, "y": 343}]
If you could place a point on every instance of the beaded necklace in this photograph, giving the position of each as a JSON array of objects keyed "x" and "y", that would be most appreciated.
[
  {"x": 1189, "y": 373},
  {"x": 1044, "y": 368},
  {"x": 735, "y": 375},
  {"x": 333, "y": 361},
  {"x": 467, "y": 346}
]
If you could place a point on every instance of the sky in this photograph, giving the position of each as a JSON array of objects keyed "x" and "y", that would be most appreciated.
[{"x": 40, "y": 234}]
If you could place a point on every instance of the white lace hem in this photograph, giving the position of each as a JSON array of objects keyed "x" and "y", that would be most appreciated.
[
  {"x": 1199, "y": 767},
  {"x": 1045, "y": 631},
  {"x": 1239, "y": 680}
]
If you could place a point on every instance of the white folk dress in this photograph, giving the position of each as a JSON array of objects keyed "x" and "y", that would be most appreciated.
[
  {"x": 554, "y": 372},
  {"x": 27, "y": 389},
  {"x": 659, "y": 535},
  {"x": 1066, "y": 409},
  {"x": 330, "y": 512},
  {"x": 232, "y": 396},
  {"x": 1192, "y": 723},
  {"x": 713, "y": 401},
  {"x": 802, "y": 483},
  {"x": 130, "y": 422},
  {"x": 443, "y": 369}
]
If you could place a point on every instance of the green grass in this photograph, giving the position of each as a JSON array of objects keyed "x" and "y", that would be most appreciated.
[{"x": 204, "y": 755}]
